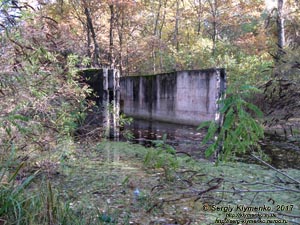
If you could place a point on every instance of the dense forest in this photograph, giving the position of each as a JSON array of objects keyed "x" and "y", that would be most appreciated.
[{"x": 50, "y": 173}]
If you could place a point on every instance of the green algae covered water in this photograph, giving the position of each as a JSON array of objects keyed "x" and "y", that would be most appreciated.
[{"x": 282, "y": 153}]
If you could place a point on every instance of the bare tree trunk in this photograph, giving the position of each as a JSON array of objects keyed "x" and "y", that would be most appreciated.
[
  {"x": 155, "y": 34},
  {"x": 96, "y": 54},
  {"x": 213, "y": 8},
  {"x": 61, "y": 6},
  {"x": 111, "y": 36},
  {"x": 157, "y": 19},
  {"x": 160, "y": 37},
  {"x": 119, "y": 24},
  {"x": 88, "y": 34},
  {"x": 176, "y": 28},
  {"x": 127, "y": 60},
  {"x": 280, "y": 27},
  {"x": 199, "y": 12},
  {"x": 120, "y": 34},
  {"x": 121, "y": 55}
]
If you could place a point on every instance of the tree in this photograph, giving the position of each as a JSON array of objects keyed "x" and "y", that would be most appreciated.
[
  {"x": 91, "y": 34},
  {"x": 213, "y": 7},
  {"x": 199, "y": 7},
  {"x": 280, "y": 26},
  {"x": 155, "y": 36},
  {"x": 111, "y": 36},
  {"x": 41, "y": 98}
]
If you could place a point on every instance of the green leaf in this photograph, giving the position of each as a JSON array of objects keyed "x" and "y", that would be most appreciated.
[
  {"x": 16, "y": 172},
  {"x": 19, "y": 117},
  {"x": 204, "y": 124},
  {"x": 25, "y": 183},
  {"x": 226, "y": 104},
  {"x": 249, "y": 88},
  {"x": 255, "y": 109},
  {"x": 210, "y": 150},
  {"x": 229, "y": 119},
  {"x": 211, "y": 132}
]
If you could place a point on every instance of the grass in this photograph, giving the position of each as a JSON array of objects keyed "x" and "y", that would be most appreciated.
[
  {"x": 98, "y": 184},
  {"x": 23, "y": 202}
]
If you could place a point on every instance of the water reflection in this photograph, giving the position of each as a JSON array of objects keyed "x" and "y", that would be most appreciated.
[
  {"x": 183, "y": 138},
  {"x": 282, "y": 153}
]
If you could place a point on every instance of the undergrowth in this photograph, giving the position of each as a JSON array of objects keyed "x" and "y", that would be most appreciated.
[{"x": 31, "y": 199}]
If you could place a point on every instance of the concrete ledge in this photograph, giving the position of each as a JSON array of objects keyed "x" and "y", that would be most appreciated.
[{"x": 183, "y": 97}]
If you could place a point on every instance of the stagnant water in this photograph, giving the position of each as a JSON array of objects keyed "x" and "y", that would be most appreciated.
[
  {"x": 182, "y": 137},
  {"x": 187, "y": 139}
]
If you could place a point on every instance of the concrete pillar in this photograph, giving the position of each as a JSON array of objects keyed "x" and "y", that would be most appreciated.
[
  {"x": 113, "y": 103},
  {"x": 105, "y": 103}
]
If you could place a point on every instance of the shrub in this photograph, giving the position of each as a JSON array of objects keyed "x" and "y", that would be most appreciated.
[{"x": 239, "y": 129}]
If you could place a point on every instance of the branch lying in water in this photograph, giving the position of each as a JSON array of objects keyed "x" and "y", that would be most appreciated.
[{"x": 273, "y": 168}]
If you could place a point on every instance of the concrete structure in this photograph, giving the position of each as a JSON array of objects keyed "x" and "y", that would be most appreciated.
[
  {"x": 105, "y": 83},
  {"x": 184, "y": 97}
]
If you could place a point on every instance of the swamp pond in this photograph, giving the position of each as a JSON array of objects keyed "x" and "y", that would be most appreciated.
[{"x": 282, "y": 153}]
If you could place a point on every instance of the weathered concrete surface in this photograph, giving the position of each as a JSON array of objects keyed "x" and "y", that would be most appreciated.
[
  {"x": 105, "y": 85},
  {"x": 184, "y": 97}
]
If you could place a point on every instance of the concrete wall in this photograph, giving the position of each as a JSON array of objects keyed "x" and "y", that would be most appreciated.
[
  {"x": 106, "y": 94},
  {"x": 184, "y": 97}
]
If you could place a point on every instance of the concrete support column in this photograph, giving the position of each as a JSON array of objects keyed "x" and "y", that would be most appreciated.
[{"x": 114, "y": 105}]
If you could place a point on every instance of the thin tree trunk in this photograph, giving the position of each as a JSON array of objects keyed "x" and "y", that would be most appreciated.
[
  {"x": 176, "y": 28},
  {"x": 160, "y": 37},
  {"x": 121, "y": 51},
  {"x": 155, "y": 34},
  {"x": 88, "y": 34},
  {"x": 111, "y": 37},
  {"x": 280, "y": 27},
  {"x": 93, "y": 35},
  {"x": 214, "y": 37},
  {"x": 200, "y": 11},
  {"x": 157, "y": 19},
  {"x": 61, "y": 6},
  {"x": 121, "y": 55},
  {"x": 127, "y": 60},
  {"x": 213, "y": 7},
  {"x": 154, "y": 60},
  {"x": 119, "y": 24}
]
